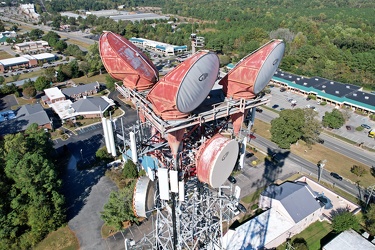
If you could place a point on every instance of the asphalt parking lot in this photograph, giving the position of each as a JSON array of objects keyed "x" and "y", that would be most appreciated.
[{"x": 355, "y": 120}]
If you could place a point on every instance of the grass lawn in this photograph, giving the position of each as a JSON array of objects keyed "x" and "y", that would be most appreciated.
[
  {"x": 25, "y": 76},
  {"x": 85, "y": 80},
  {"x": 78, "y": 43},
  {"x": 335, "y": 162},
  {"x": 313, "y": 235},
  {"x": 4, "y": 55},
  {"x": 61, "y": 239}
]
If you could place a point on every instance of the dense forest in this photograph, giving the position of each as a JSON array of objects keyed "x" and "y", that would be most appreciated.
[
  {"x": 331, "y": 39},
  {"x": 31, "y": 204}
]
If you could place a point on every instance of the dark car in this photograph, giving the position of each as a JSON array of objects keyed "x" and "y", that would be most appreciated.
[
  {"x": 365, "y": 126},
  {"x": 252, "y": 136},
  {"x": 282, "y": 89},
  {"x": 336, "y": 175},
  {"x": 241, "y": 208},
  {"x": 232, "y": 180},
  {"x": 348, "y": 127},
  {"x": 275, "y": 106},
  {"x": 259, "y": 110},
  {"x": 321, "y": 141}
]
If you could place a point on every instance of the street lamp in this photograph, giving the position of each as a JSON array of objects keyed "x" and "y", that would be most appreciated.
[{"x": 81, "y": 154}]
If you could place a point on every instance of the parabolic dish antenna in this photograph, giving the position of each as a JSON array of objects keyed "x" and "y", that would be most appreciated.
[
  {"x": 251, "y": 75},
  {"x": 216, "y": 159},
  {"x": 184, "y": 88},
  {"x": 125, "y": 62}
]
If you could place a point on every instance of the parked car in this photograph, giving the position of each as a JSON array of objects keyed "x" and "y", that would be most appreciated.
[
  {"x": 348, "y": 127},
  {"x": 275, "y": 106},
  {"x": 336, "y": 175},
  {"x": 365, "y": 126},
  {"x": 282, "y": 89},
  {"x": 232, "y": 180}
]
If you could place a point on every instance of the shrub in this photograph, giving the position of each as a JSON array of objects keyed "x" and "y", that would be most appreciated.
[
  {"x": 254, "y": 206},
  {"x": 312, "y": 97},
  {"x": 358, "y": 170},
  {"x": 359, "y": 128},
  {"x": 130, "y": 170},
  {"x": 372, "y": 117},
  {"x": 323, "y": 103}
]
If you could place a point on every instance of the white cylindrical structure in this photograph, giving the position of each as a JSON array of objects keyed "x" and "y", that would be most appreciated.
[
  {"x": 111, "y": 138},
  {"x": 243, "y": 152},
  {"x": 105, "y": 131},
  {"x": 133, "y": 147}
]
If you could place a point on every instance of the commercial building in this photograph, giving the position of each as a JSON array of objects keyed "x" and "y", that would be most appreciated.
[
  {"x": 27, "y": 47},
  {"x": 25, "y": 61},
  {"x": 340, "y": 95},
  {"x": 29, "y": 10},
  {"x": 164, "y": 48}
]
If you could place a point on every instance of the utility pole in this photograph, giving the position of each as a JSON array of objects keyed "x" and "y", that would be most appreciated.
[
  {"x": 321, "y": 165},
  {"x": 371, "y": 189}
]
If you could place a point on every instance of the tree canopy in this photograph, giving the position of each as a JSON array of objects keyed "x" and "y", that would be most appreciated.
[
  {"x": 334, "y": 119},
  {"x": 293, "y": 125},
  {"x": 119, "y": 207},
  {"x": 31, "y": 205},
  {"x": 343, "y": 221}
]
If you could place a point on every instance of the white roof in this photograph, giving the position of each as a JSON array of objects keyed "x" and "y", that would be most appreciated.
[
  {"x": 54, "y": 93},
  {"x": 43, "y": 56},
  {"x": 14, "y": 61},
  {"x": 63, "y": 109},
  {"x": 257, "y": 232},
  {"x": 349, "y": 240}
]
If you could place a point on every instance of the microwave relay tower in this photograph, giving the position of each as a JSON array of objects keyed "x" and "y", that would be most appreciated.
[{"x": 181, "y": 138}]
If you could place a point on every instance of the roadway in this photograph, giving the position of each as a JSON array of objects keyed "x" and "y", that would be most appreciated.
[
  {"x": 349, "y": 150},
  {"x": 72, "y": 35}
]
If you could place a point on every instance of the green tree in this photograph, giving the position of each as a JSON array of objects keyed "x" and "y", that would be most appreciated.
[
  {"x": 286, "y": 129},
  {"x": 34, "y": 207},
  {"x": 102, "y": 154},
  {"x": 49, "y": 74},
  {"x": 312, "y": 127},
  {"x": 29, "y": 91},
  {"x": 119, "y": 208},
  {"x": 36, "y": 34},
  {"x": 358, "y": 170},
  {"x": 343, "y": 221},
  {"x": 84, "y": 67},
  {"x": 93, "y": 58},
  {"x": 60, "y": 46},
  {"x": 130, "y": 170},
  {"x": 334, "y": 119},
  {"x": 2, "y": 80},
  {"x": 370, "y": 219},
  {"x": 41, "y": 83},
  {"x": 110, "y": 82}
]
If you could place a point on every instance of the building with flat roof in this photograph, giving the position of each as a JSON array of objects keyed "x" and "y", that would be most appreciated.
[
  {"x": 349, "y": 240},
  {"x": 164, "y": 48},
  {"x": 25, "y": 61},
  {"x": 29, "y": 10},
  {"x": 53, "y": 95},
  {"x": 334, "y": 93},
  {"x": 26, "y": 47}
]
